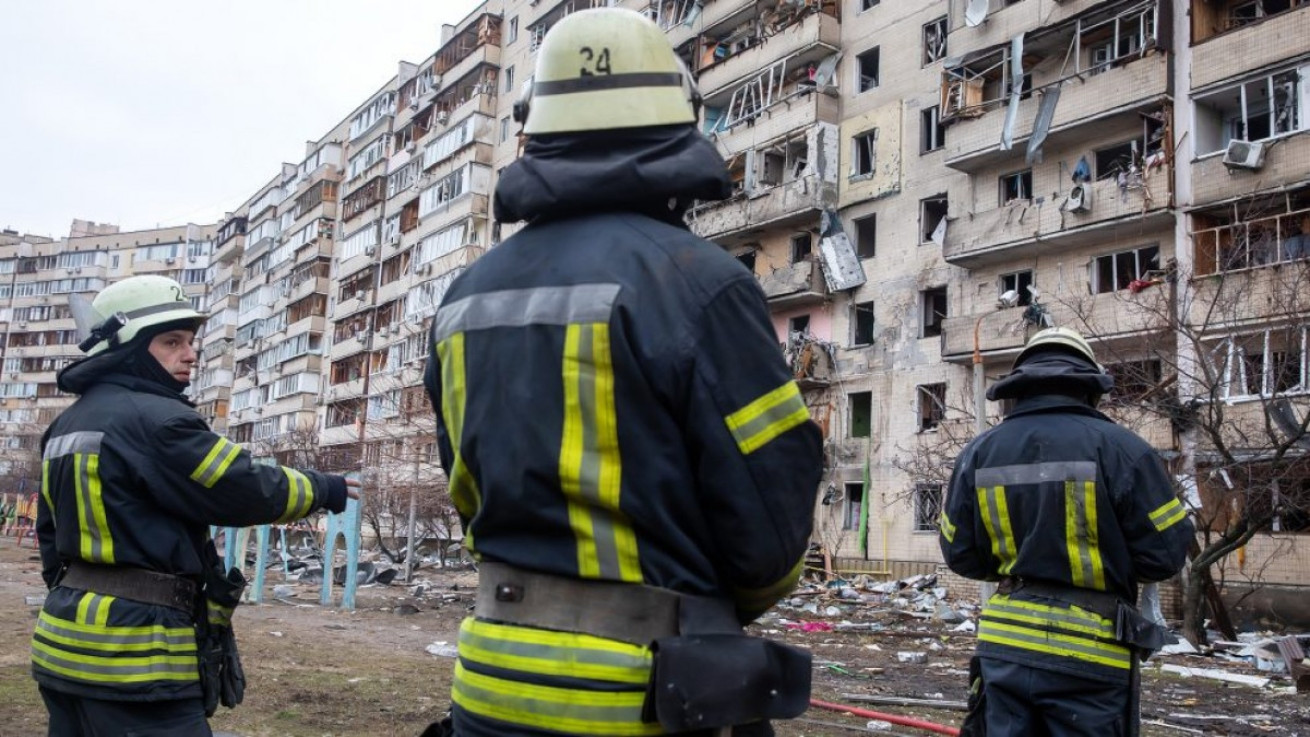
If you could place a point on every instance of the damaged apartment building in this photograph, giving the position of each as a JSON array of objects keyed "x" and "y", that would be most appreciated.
[{"x": 919, "y": 186}]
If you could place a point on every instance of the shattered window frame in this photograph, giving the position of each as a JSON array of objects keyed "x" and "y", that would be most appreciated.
[
  {"x": 868, "y": 4},
  {"x": 863, "y": 324},
  {"x": 859, "y": 414},
  {"x": 864, "y": 154},
  {"x": 801, "y": 246},
  {"x": 932, "y": 317},
  {"x": 850, "y": 518},
  {"x": 1113, "y": 272},
  {"x": 1015, "y": 280},
  {"x": 866, "y": 236},
  {"x": 1017, "y": 186},
  {"x": 932, "y": 134},
  {"x": 931, "y": 405},
  {"x": 935, "y": 34},
  {"x": 1222, "y": 121},
  {"x": 927, "y": 506},
  {"x": 927, "y": 214},
  {"x": 868, "y": 69}
]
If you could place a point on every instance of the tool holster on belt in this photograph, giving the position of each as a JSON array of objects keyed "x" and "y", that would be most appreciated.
[
  {"x": 222, "y": 678},
  {"x": 706, "y": 672}
]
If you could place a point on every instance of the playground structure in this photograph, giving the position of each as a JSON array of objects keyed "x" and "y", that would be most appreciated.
[{"x": 18, "y": 517}]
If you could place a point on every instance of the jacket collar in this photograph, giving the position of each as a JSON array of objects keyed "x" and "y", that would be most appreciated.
[
  {"x": 1039, "y": 403},
  {"x": 655, "y": 171}
]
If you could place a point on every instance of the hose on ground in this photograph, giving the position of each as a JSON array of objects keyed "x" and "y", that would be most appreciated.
[{"x": 894, "y": 719}]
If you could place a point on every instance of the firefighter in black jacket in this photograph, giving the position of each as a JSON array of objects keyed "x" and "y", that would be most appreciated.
[
  {"x": 1069, "y": 512},
  {"x": 623, "y": 440},
  {"x": 132, "y": 477}
]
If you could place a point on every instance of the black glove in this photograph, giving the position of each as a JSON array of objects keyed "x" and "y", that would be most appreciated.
[{"x": 232, "y": 678}]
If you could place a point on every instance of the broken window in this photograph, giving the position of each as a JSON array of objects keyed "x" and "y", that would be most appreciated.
[
  {"x": 1016, "y": 186},
  {"x": 851, "y": 512},
  {"x": 933, "y": 303},
  {"x": 1018, "y": 282},
  {"x": 862, "y": 324},
  {"x": 1253, "y": 232},
  {"x": 747, "y": 259},
  {"x": 932, "y": 134},
  {"x": 864, "y": 153},
  {"x": 1115, "y": 160},
  {"x": 1116, "y": 271},
  {"x": 1252, "y": 111},
  {"x": 1133, "y": 380},
  {"x": 927, "y": 507},
  {"x": 1117, "y": 39},
  {"x": 932, "y": 405},
  {"x": 868, "y": 67},
  {"x": 866, "y": 236},
  {"x": 802, "y": 245},
  {"x": 934, "y": 41},
  {"x": 861, "y": 413},
  {"x": 932, "y": 213},
  {"x": 798, "y": 326},
  {"x": 1216, "y": 16},
  {"x": 866, "y": 4}
]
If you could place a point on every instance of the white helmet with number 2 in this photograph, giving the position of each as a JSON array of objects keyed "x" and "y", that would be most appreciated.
[{"x": 605, "y": 69}]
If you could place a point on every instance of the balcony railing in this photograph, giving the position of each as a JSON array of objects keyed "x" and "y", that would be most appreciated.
[
  {"x": 797, "y": 284},
  {"x": 799, "y": 200}
]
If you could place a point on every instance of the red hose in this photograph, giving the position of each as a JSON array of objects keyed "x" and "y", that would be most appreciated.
[{"x": 903, "y": 721}]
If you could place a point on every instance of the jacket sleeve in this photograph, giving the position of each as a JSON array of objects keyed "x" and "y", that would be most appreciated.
[
  {"x": 757, "y": 455},
  {"x": 211, "y": 480},
  {"x": 964, "y": 541},
  {"x": 45, "y": 525},
  {"x": 1154, "y": 521}
]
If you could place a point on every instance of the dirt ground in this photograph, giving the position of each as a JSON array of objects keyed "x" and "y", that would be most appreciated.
[{"x": 315, "y": 671}]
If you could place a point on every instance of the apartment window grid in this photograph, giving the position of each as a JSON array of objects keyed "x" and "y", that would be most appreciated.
[
  {"x": 934, "y": 41},
  {"x": 1115, "y": 271},
  {"x": 927, "y": 507},
  {"x": 1265, "y": 364},
  {"x": 932, "y": 405}
]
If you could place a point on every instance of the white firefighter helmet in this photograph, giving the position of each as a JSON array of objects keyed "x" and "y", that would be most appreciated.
[
  {"x": 603, "y": 69},
  {"x": 124, "y": 309},
  {"x": 1065, "y": 339}
]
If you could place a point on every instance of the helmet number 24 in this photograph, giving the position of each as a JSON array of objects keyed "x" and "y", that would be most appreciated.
[{"x": 593, "y": 63}]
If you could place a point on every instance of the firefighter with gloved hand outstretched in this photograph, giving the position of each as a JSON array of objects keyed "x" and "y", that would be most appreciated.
[{"x": 135, "y": 634}]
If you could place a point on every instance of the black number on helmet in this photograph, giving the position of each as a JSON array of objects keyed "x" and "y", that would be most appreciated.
[
  {"x": 601, "y": 61},
  {"x": 177, "y": 294}
]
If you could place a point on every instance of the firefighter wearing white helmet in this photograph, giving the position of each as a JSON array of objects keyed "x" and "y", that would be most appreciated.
[
  {"x": 132, "y": 478},
  {"x": 663, "y": 486},
  {"x": 1069, "y": 512}
]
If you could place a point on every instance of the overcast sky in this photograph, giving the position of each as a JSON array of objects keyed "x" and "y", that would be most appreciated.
[{"x": 161, "y": 112}]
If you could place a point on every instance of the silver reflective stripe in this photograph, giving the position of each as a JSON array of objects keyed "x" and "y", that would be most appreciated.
[
  {"x": 74, "y": 442},
  {"x": 162, "y": 640},
  {"x": 585, "y": 303},
  {"x": 1036, "y": 473},
  {"x": 156, "y": 668}
]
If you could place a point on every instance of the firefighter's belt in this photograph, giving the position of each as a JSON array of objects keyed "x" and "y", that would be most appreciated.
[
  {"x": 626, "y": 612},
  {"x": 1130, "y": 627},
  {"x": 135, "y": 584}
]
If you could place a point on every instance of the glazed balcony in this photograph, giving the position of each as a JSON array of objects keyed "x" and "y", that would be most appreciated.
[
  {"x": 813, "y": 38},
  {"x": 1024, "y": 229},
  {"x": 1138, "y": 86},
  {"x": 1253, "y": 46}
]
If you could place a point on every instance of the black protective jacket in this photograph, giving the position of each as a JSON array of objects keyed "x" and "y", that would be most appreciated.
[
  {"x": 1060, "y": 495},
  {"x": 132, "y": 476},
  {"x": 612, "y": 404}
]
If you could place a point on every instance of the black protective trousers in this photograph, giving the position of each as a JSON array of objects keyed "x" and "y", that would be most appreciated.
[
  {"x": 1030, "y": 702},
  {"x": 77, "y": 716}
]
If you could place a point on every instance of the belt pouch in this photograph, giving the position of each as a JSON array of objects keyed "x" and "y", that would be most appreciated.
[{"x": 706, "y": 681}]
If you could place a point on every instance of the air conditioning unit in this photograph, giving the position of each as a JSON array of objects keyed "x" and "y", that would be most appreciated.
[
  {"x": 441, "y": 117},
  {"x": 359, "y": 294},
  {"x": 1244, "y": 155},
  {"x": 370, "y": 250},
  {"x": 409, "y": 147},
  {"x": 413, "y": 103},
  {"x": 170, "y": 260},
  {"x": 1080, "y": 198},
  {"x": 394, "y": 240}
]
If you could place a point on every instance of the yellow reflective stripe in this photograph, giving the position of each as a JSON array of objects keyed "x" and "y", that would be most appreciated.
[
  {"x": 84, "y": 608},
  {"x": 947, "y": 529},
  {"x": 1073, "y": 618},
  {"x": 463, "y": 487},
  {"x": 570, "y": 711},
  {"x": 550, "y": 653},
  {"x": 1082, "y": 537},
  {"x": 590, "y": 466},
  {"x": 996, "y": 518},
  {"x": 300, "y": 495},
  {"x": 1070, "y": 646},
  {"x": 219, "y": 614},
  {"x": 764, "y": 419},
  {"x": 204, "y": 473},
  {"x": 94, "y": 543},
  {"x": 229, "y": 456},
  {"x": 765, "y": 597},
  {"x": 49, "y": 628},
  {"x": 45, "y": 488},
  {"x": 120, "y": 631},
  {"x": 114, "y": 669},
  {"x": 1169, "y": 514}
]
